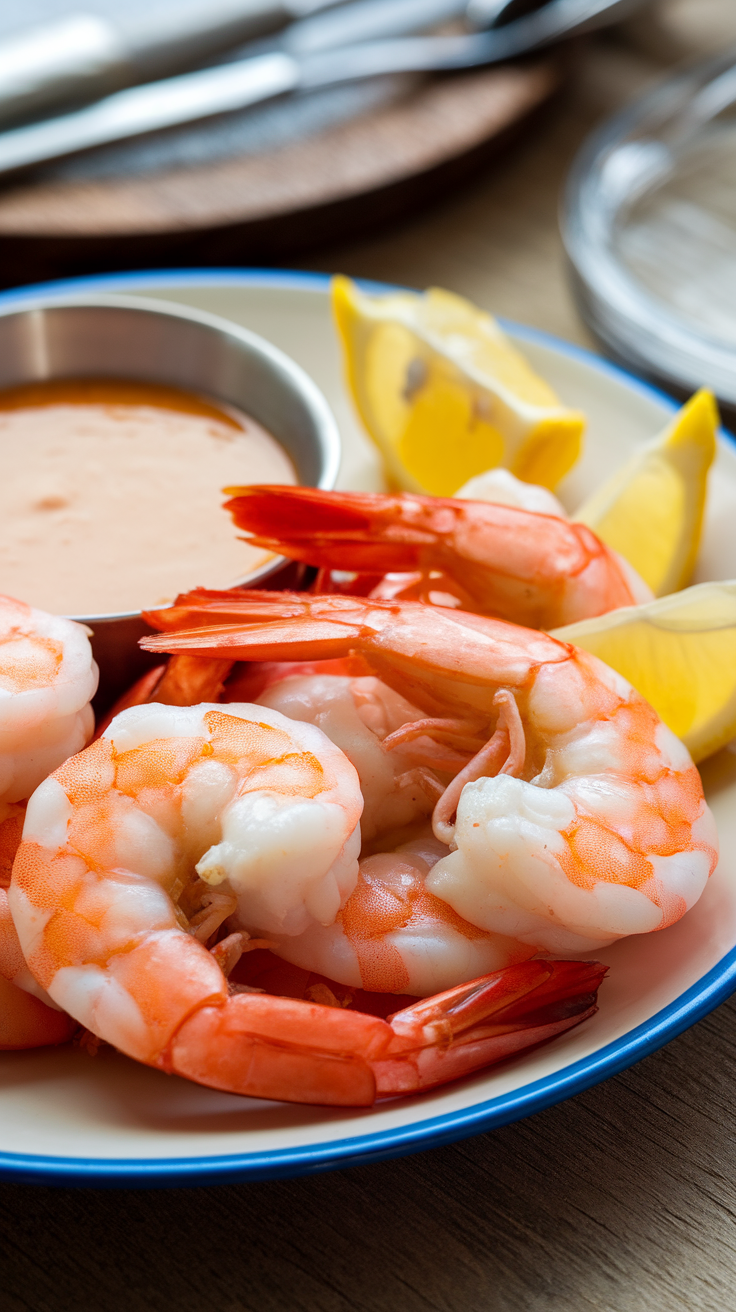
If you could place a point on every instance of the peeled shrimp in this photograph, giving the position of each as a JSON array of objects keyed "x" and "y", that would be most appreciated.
[
  {"x": 137, "y": 851},
  {"x": 391, "y": 936},
  {"x": 578, "y": 819},
  {"x": 47, "y": 678},
  {"x": 533, "y": 569}
]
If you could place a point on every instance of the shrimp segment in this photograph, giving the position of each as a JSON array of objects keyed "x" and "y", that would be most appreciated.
[
  {"x": 178, "y": 820},
  {"x": 523, "y": 566},
  {"x": 25, "y": 1021},
  {"x": 303, "y": 1052},
  {"x": 127, "y": 844},
  {"x": 47, "y": 678},
  {"x": 584, "y": 822}
]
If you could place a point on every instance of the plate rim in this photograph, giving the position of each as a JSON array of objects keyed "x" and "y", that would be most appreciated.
[
  {"x": 382, "y": 1145},
  {"x": 696, "y": 1001}
]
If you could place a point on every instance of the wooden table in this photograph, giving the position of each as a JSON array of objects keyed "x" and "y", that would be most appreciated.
[{"x": 620, "y": 1200}]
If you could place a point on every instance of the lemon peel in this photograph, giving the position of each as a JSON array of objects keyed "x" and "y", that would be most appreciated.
[
  {"x": 651, "y": 510},
  {"x": 445, "y": 395}
]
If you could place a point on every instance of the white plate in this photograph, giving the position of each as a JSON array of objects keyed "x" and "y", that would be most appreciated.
[{"x": 65, "y": 1117}]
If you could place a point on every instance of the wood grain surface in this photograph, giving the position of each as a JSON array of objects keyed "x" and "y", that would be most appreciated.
[{"x": 620, "y": 1200}]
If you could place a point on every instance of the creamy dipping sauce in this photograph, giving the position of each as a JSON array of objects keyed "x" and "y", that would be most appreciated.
[{"x": 111, "y": 493}]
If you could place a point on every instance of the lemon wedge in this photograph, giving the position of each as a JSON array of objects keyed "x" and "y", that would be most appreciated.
[
  {"x": 680, "y": 653},
  {"x": 651, "y": 511},
  {"x": 445, "y": 395}
]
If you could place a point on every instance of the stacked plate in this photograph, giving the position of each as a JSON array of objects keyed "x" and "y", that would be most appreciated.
[{"x": 649, "y": 225}]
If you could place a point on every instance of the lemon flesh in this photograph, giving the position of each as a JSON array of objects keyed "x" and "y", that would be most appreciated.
[
  {"x": 651, "y": 511},
  {"x": 445, "y": 395},
  {"x": 680, "y": 653}
]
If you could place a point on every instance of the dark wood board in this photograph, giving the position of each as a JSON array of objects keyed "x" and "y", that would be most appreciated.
[{"x": 253, "y": 208}]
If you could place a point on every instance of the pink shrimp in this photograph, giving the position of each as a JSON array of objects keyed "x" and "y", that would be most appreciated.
[
  {"x": 137, "y": 852},
  {"x": 47, "y": 677},
  {"x": 579, "y": 819},
  {"x": 436, "y": 948},
  {"x": 534, "y": 569}
]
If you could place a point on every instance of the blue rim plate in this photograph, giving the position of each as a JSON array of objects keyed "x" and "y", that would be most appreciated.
[{"x": 418, "y": 1131}]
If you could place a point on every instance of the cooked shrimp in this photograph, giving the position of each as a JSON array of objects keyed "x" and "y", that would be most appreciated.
[
  {"x": 391, "y": 935},
  {"x": 579, "y": 819},
  {"x": 436, "y": 587},
  {"x": 505, "y": 489},
  {"x": 47, "y": 681},
  {"x": 399, "y": 788},
  {"x": 395, "y": 936},
  {"x": 532, "y": 569},
  {"x": 137, "y": 851},
  {"x": 47, "y": 678}
]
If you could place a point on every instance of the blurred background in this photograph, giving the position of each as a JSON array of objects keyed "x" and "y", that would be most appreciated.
[{"x": 416, "y": 178}]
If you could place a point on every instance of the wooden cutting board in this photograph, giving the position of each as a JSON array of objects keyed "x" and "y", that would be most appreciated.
[{"x": 266, "y": 205}]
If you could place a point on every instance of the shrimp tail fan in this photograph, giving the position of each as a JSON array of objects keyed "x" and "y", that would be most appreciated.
[
  {"x": 257, "y": 626},
  {"x": 478, "y": 1024},
  {"x": 276, "y": 1047},
  {"x": 366, "y": 532}
]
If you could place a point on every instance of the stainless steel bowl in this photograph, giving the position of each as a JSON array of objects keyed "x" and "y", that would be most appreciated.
[{"x": 151, "y": 341}]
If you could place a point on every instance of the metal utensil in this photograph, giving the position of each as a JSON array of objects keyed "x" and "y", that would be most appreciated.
[
  {"x": 234, "y": 86},
  {"x": 84, "y": 55},
  {"x": 365, "y": 20},
  {"x": 541, "y": 15}
]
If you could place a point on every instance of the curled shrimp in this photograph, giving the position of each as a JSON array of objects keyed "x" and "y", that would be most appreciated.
[
  {"x": 47, "y": 678},
  {"x": 533, "y": 569},
  {"x": 391, "y": 935},
  {"x": 140, "y": 850},
  {"x": 579, "y": 817}
]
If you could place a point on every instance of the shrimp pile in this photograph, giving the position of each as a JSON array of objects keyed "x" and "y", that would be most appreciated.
[
  {"x": 431, "y": 948},
  {"x": 577, "y": 816},
  {"x": 47, "y": 679},
  {"x": 138, "y": 850},
  {"x": 533, "y": 569},
  {"x": 392, "y": 935}
]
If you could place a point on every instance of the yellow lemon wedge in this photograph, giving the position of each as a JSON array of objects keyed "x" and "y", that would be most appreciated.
[
  {"x": 445, "y": 395},
  {"x": 680, "y": 653},
  {"x": 651, "y": 510}
]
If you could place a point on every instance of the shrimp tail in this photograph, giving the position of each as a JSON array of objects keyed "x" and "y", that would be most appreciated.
[
  {"x": 205, "y": 606},
  {"x": 518, "y": 564},
  {"x": 184, "y": 681},
  {"x": 478, "y": 1024},
  {"x": 283, "y": 1048},
  {"x": 260, "y": 626},
  {"x": 368, "y": 532}
]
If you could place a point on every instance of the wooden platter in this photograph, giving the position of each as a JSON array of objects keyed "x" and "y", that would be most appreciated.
[{"x": 427, "y": 137}]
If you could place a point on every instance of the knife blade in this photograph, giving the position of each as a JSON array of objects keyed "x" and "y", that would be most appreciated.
[{"x": 85, "y": 55}]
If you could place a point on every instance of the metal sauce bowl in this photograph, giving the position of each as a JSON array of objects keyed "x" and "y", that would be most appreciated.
[{"x": 151, "y": 341}]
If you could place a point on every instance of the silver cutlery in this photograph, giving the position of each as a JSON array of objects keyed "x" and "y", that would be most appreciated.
[
  {"x": 232, "y": 86},
  {"x": 85, "y": 55}
]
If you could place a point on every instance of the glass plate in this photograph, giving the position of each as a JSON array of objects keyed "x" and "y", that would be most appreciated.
[{"x": 649, "y": 225}]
